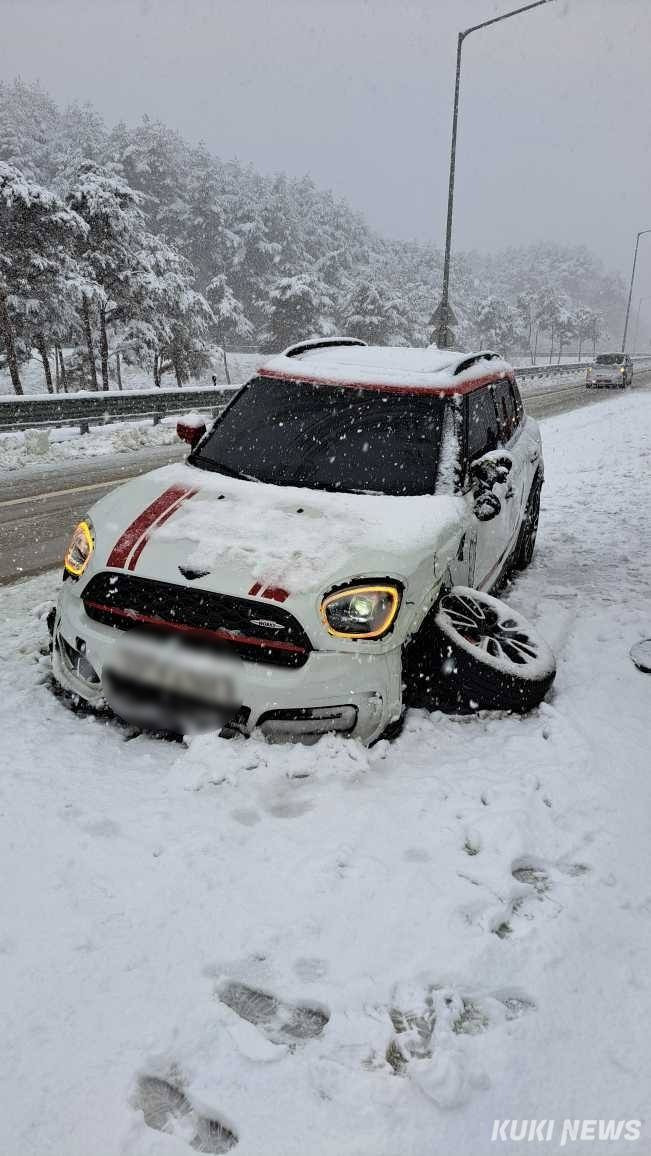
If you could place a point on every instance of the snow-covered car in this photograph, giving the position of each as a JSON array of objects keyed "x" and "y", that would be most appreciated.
[
  {"x": 610, "y": 369},
  {"x": 323, "y": 557}
]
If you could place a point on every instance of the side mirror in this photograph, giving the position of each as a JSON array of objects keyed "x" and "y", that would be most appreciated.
[
  {"x": 486, "y": 506},
  {"x": 485, "y": 473},
  {"x": 190, "y": 429},
  {"x": 491, "y": 470}
]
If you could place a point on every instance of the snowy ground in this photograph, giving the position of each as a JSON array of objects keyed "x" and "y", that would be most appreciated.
[{"x": 337, "y": 951}]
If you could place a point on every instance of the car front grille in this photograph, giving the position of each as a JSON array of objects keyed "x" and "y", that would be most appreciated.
[{"x": 257, "y": 631}]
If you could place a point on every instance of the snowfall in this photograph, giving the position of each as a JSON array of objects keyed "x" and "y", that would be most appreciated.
[{"x": 332, "y": 950}]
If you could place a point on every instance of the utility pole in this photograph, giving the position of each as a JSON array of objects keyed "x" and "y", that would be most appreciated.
[{"x": 630, "y": 291}]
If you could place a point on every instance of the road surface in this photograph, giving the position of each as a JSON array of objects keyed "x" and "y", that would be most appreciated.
[{"x": 39, "y": 507}]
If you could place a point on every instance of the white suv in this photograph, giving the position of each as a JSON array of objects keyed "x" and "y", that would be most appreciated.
[
  {"x": 323, "y": 557},
  {"x": 610, "y": 369}
]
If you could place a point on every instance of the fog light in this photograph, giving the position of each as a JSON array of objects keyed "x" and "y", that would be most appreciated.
[{"x": 308, "y": 722}]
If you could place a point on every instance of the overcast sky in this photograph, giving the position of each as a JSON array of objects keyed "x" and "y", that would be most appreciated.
[{"x": 555, "y": 128}]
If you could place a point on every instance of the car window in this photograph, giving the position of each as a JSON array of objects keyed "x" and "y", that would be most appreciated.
[
  {"x": 517, "y": 403},
  {"x": 609, "y": 359},
  {"x": 505, "y": 409},
  {"x": 483, "y": 428}
]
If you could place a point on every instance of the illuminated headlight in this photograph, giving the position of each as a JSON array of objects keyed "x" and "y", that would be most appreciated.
[
  {"x": 80, "y": 548},
  {"x": 621, "y": 369},
  {"x": 361, "y": 611}
]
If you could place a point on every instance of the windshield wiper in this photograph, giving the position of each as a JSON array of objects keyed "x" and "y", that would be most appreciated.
[{"x": 219, "y": 468}]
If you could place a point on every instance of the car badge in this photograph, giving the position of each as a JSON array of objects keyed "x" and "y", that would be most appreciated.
[{"x": 266, "y": 623}]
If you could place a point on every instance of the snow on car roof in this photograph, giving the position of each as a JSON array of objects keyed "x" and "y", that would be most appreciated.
[{"x": 387, "y": 368}]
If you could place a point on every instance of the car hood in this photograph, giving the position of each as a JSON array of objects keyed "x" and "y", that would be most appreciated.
[{"x": 232, "y": 535}]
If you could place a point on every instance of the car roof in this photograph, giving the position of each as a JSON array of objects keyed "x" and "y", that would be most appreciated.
[{"x": 386, "y": 368}]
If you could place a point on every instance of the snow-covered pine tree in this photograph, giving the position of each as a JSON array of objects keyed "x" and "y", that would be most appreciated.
[
  {"x": 39, "y": 272},
  {"x": 29, "y": 124},
  {"x": 370, "y": 314},
  {"x": 109, "y": 252},
  {"x": 231, "y": 323},
  {"x": 297, "y": 308},
  {"x": 171, "y": 317}
]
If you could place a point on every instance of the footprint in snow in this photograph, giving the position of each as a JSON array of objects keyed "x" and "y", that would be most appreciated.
[
  {"x": 422, "y": 1047},
  {"x": 167, "y": 1109},
  {"x": 281, "y": 1023},
  {"x": 539, "y": 883}
]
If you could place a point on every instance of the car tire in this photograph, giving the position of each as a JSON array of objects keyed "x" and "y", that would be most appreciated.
[
  {"x": 526, "y": 543},
  {"x": 489, "y": 657}
]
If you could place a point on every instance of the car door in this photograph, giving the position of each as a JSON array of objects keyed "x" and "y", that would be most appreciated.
[{"x": 488, "y": 539}]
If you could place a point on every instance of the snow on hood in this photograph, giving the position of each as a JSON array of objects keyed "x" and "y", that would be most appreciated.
[{"x": 295, "y": 537}]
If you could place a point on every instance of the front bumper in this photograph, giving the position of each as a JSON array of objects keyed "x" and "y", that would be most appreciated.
[{"x": 114, "y": 663}]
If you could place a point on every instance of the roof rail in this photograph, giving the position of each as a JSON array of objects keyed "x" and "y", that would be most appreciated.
[
  {"x": 472, "y": 358},
  {"x": 320, "y": 343}
]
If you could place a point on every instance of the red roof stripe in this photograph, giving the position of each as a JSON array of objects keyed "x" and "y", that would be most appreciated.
[{"x": 382, "y": 387}]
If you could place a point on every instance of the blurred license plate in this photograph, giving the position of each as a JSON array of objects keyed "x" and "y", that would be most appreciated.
[{"x": 171, "y": 675}]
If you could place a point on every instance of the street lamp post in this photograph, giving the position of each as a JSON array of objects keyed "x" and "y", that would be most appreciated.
[
  {"x": 630, "y": 291},
  {"x": 442, "y": 314}
]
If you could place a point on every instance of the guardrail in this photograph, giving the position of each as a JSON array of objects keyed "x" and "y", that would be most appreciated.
[
  {"x": 567, "y": 368},
  {"x": 532, "y": 371},
  {"x": 86, "y": 409}
]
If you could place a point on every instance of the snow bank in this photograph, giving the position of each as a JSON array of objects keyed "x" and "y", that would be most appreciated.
[
  {"x": 46, "y": 446},
  {"x": 333, "y": 950}
]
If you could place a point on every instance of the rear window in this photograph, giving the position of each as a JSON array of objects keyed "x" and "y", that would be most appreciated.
[
  {"x": 610, "y": 359},
  {"x": 292, "y": 433}
]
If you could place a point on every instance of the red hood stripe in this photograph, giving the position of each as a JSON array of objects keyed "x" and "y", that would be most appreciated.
[
  {"x": 133, "y": 561},
  {"x": 144, "y": 522}
]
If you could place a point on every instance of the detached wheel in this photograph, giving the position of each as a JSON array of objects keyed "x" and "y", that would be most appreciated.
[
  {"x": 528, "y": 531},
  {"x": 491, "y": 658}
]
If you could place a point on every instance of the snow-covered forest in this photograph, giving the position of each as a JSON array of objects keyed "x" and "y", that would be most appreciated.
[{"x": 130, "y": 244}]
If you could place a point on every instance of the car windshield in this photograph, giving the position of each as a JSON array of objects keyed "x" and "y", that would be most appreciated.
[
  {"x": 292, "y": 433},
  {"x": 610, "y": 359}
]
